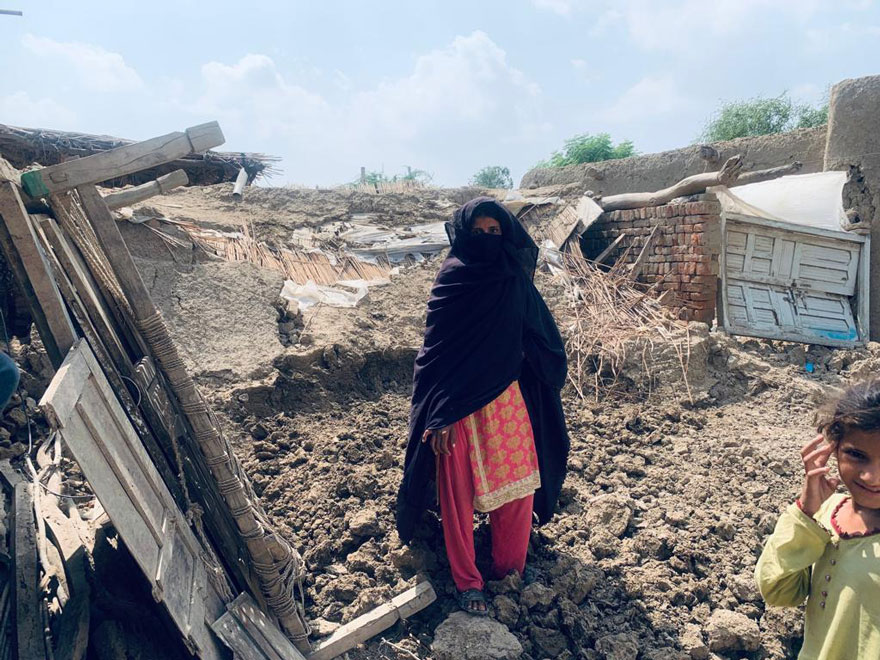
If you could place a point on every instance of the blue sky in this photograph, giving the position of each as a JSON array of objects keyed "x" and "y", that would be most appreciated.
[{"x": 447, "y": 87}]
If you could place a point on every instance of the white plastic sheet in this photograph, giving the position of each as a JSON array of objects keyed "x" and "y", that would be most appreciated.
[{"x": 812, "y": 200}]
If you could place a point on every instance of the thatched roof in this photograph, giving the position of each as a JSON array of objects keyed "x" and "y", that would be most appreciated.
[{"x": 23, "y": 147}]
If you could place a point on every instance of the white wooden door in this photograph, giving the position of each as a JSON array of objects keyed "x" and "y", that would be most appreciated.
[
  {"x": 784, "y": 281},
  {"x": 82, "y": 407}
]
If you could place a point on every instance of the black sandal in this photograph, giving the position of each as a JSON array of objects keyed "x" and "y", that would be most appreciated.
[{"x": 466, "y": 600}]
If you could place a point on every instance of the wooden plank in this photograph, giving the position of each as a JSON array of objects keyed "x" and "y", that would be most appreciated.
[
  {"x": 122, "y": 161},
  {"x": 9, "y": 475},
  {"x": 136, "y": 194},
  {"x": 29, "y": 640},
  {"x": 792, "y": 227},
  {"x": 375, "y": 621},
  {"x": 636, "y": 269},
  {"x": 251, "y": 634},
  {"x": 603, "y": 255},
  {"x": 72, "y": 629},
  {"x": 31, "y": 269}
]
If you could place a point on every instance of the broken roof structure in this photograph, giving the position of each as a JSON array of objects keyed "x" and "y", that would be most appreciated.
[
  {"x": 129, "y": 412},
  {"x": 23, "y": 147}
]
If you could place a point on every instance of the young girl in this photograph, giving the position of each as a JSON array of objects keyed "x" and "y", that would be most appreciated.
[{"x": 826, "y": 546}]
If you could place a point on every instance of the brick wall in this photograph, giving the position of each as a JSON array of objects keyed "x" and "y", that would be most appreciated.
[{"x": 683, "y": 256}]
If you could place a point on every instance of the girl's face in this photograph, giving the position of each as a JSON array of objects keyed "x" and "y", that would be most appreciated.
[
  {"x": 858, "y": 461},
  {"x": 486, "y": 225}
]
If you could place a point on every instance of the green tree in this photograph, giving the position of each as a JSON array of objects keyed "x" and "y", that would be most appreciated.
[
  {"x": 810, "y": 117},
  {"x": 492, "y": 176},
  {"x": 762, "y": 116},
  {"x": 586, "y": 148}
]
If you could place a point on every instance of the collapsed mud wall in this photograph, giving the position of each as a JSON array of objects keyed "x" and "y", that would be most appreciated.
[
  {"x": 656, "y": 171},
  {"x": 682, "y": 256}
]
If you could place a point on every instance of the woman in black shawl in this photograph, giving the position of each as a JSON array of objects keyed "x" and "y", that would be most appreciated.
[{"x": 486, "y": 423}]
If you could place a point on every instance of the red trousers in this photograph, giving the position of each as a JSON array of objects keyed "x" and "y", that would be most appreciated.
[{"x": 511, "y": 523}]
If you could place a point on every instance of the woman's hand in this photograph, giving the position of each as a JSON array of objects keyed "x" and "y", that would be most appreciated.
[
  {"x": 818, "y": 486},
  {"x": 442, "y": 440}
]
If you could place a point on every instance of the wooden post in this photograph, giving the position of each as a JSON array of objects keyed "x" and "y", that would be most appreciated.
[
  {"x": 139, "y": 193},
  {"x": 31, "y": 269},
  {"x": 375, "y": 621},
  {"x": 268, "y": 554},
  {"x": 363, "y": 174},
  {"x": 121, "y": 161},
  {"x": 29, "y": 639}
]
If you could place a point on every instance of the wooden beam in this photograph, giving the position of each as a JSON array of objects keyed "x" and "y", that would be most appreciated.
[
  {"x": 122, "y": 161},
  {"x": 144, "y": 191},
  {"x": 29, "y": 640},
  {"x": 375, "y": 621},
  {"x": 603, "y": 255},
  {"x": 636, "y": 269},
  {"x": 31, "y": 269}
]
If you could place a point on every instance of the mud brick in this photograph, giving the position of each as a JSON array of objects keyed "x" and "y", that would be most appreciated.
[
  {"x": 705, "y": 279},
  {"x": 706, "y": 269},
  {"x": 698, "y": 239}
]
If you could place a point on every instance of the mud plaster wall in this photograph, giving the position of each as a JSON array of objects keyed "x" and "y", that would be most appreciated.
[
  {"x": 683, "y": 256},
  {"x": 656, "y": 171},
  {"x": 854, "y": 146}
]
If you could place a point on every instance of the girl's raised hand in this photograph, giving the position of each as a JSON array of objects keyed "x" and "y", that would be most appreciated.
[{"x": 818, "y": 486}]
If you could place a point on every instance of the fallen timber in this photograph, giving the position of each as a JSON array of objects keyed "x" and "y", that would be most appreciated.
[
  {"x": 731, "y": 174},
  {"x": 124, "y": 404},
  {"x": 24, "y": 146}
]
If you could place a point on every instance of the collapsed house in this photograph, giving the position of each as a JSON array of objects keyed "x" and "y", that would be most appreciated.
[
  {"x": 125, "y": 406},
  {"x": 169, "y": 481}
]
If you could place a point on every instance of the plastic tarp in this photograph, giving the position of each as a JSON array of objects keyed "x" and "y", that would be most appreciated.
[
  {"x": 811, "y": 200},
  {"x": 345, "y": 293}
]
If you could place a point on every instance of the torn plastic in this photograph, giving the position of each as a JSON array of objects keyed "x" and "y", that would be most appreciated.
[{"x": 345, "y": 293}]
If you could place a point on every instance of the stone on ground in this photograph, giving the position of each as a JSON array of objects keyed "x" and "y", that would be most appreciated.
[
  {"x": 732, "y": 631},
  {"x": 463, "y": 636}
]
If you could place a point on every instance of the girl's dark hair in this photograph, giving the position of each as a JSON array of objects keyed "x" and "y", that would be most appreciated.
[{"x": 857, "y": 408}]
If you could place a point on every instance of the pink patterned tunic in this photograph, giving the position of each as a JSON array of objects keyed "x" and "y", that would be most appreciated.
[{"x": 501, "y": 444}]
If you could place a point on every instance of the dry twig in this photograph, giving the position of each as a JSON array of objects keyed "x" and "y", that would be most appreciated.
[{"x": 612, "y": 317}]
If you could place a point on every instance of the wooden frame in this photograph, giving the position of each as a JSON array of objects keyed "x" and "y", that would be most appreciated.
[{"x": 82, "y": 407}]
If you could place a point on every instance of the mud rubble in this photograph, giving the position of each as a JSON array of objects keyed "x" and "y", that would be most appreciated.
[{"x": 667, "y": 503}]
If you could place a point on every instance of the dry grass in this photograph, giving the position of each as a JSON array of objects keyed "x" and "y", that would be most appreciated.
[{"x": 617, "y": 325}]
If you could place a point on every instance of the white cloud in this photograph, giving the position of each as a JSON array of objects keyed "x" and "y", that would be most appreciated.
[
  {"x": 456, "y": 103},
  {"x": 652, "y": 96},
  {"x": 20, "y": 109},
  {"x": 467, "y": 83},
  {"x": 97, "y": 69},
  {"x": 253, "y": 95}
]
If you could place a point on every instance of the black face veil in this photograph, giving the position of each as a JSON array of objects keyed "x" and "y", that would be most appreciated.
[{"x": 487, "y": 326}]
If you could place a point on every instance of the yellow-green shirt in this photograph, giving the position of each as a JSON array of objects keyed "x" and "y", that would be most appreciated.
[{"x": 840, "y": 578}]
